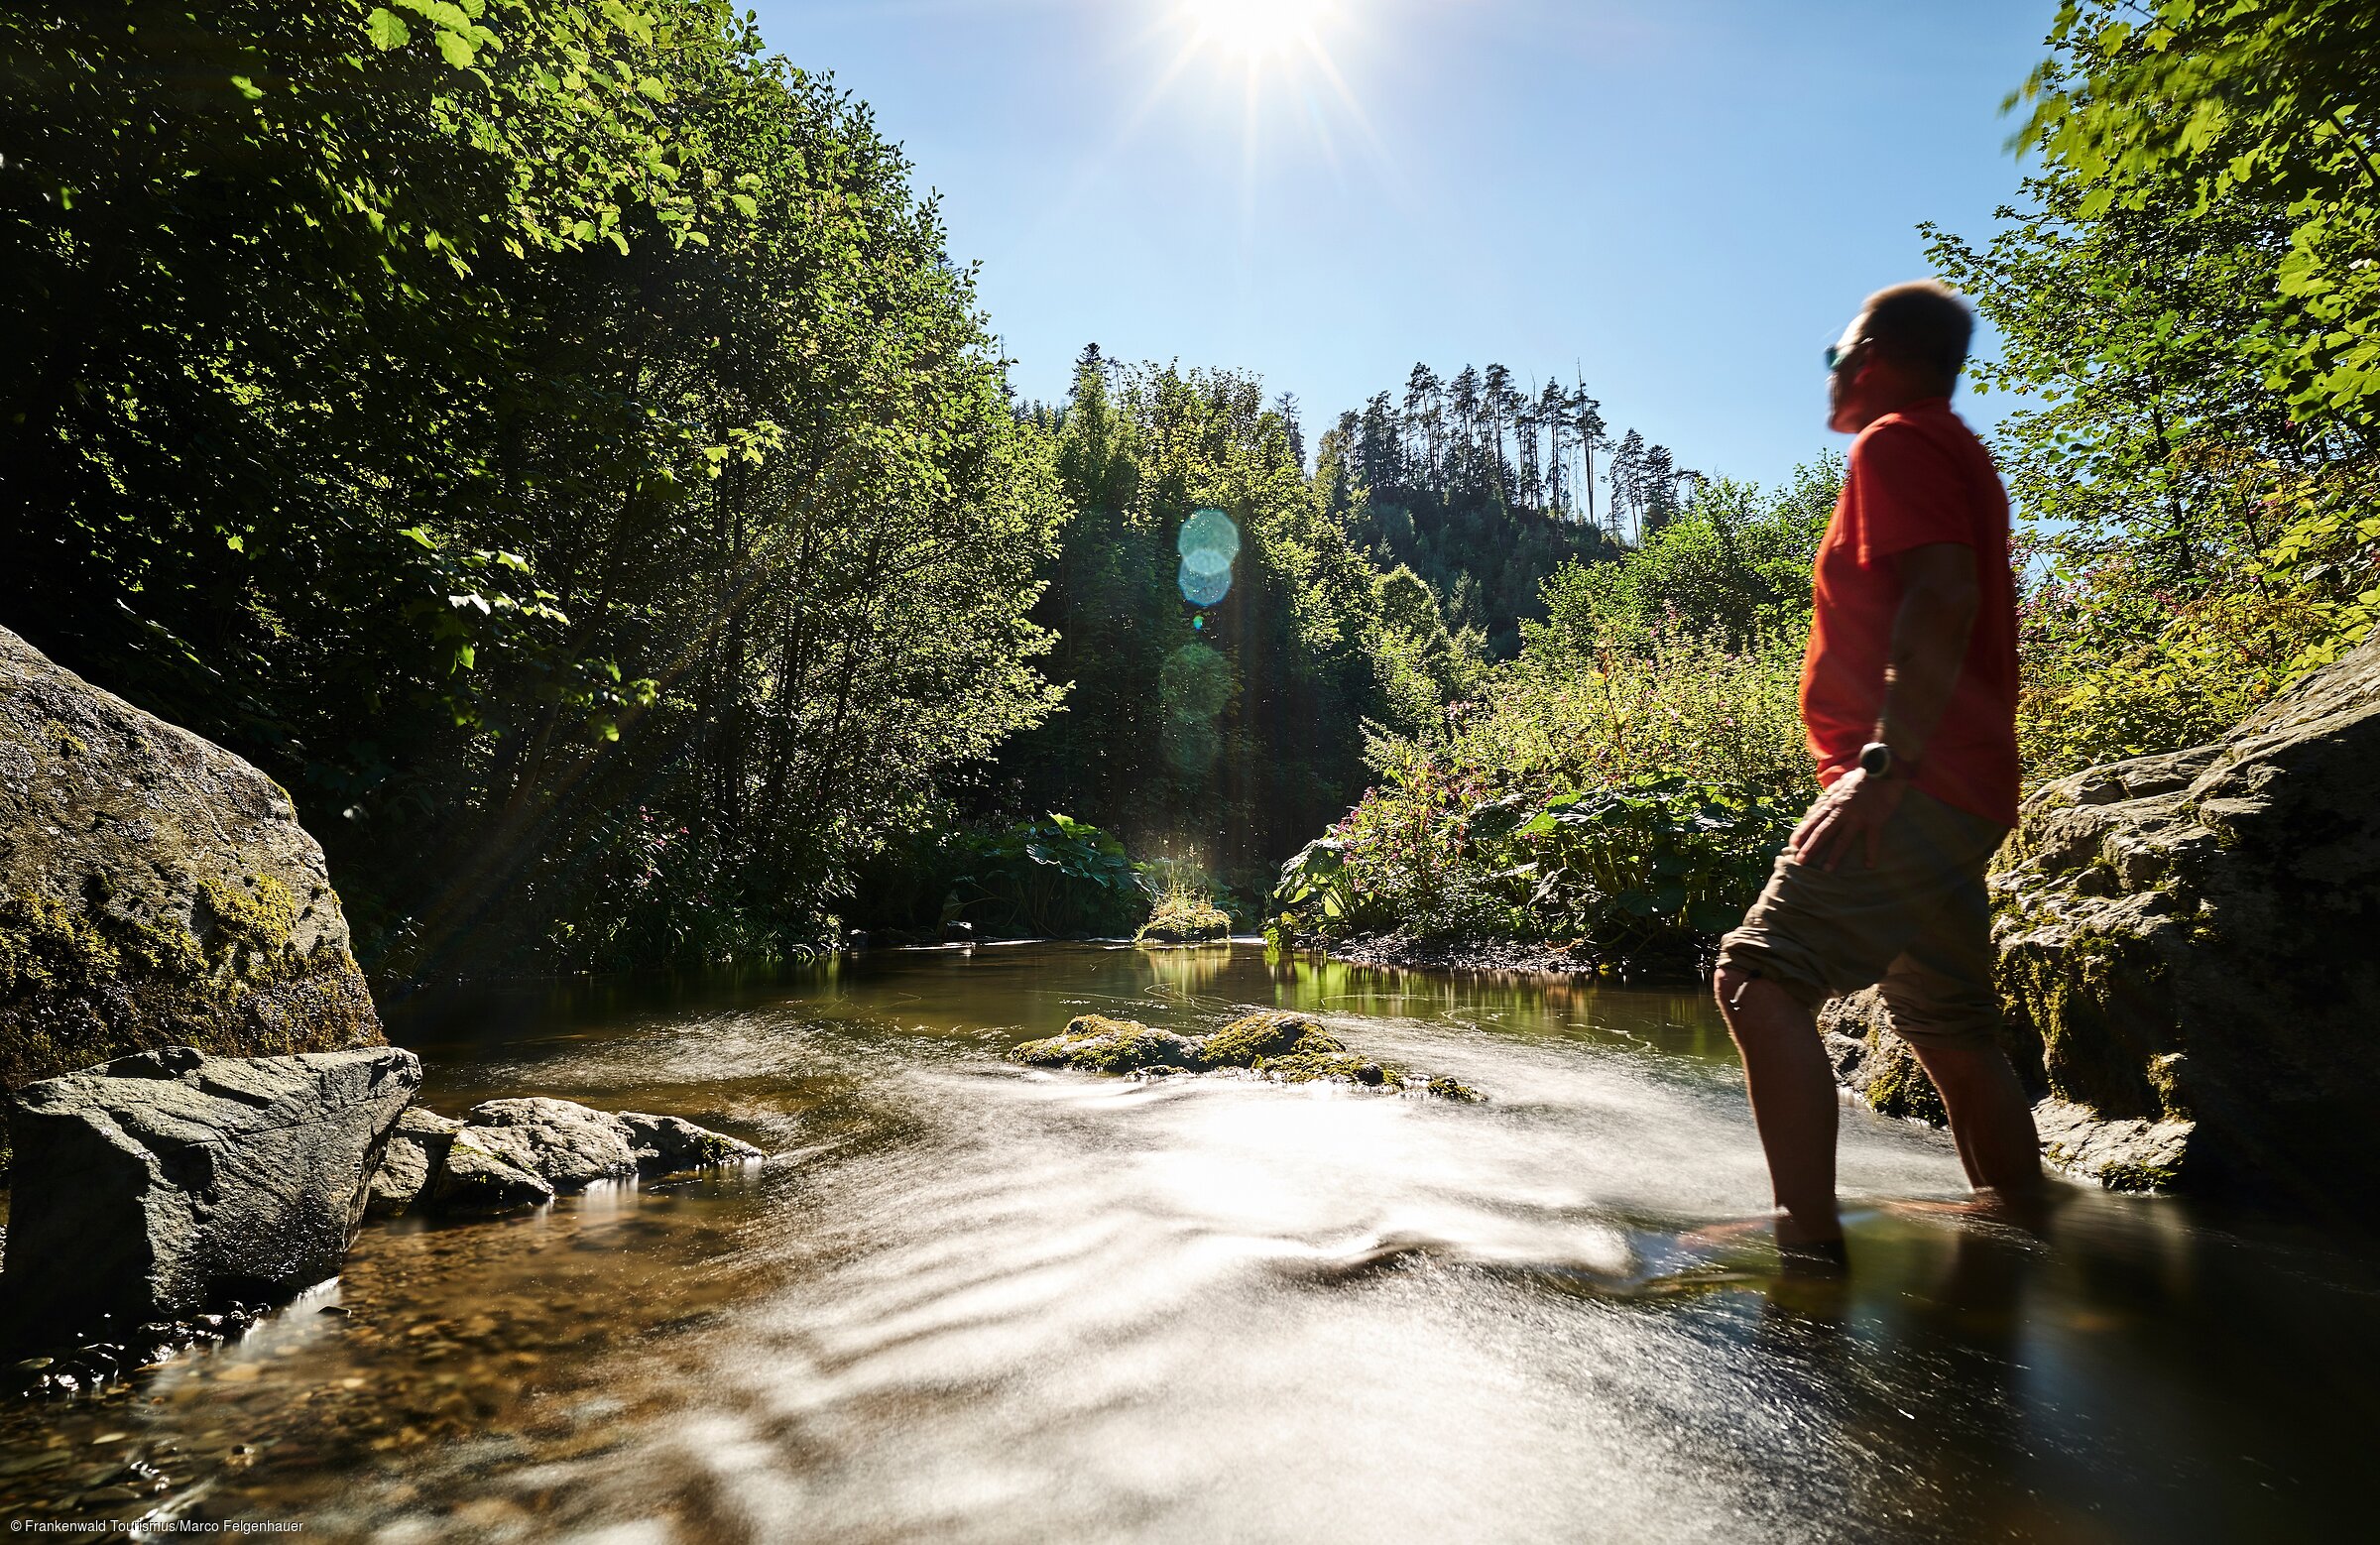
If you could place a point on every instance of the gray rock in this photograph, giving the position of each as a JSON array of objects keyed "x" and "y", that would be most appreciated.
[
  {"x": 568, "y": 1145},
  {"x": 523, "y": 1152},
  {"x": 2188, "y": 943},
  {"x": 472, "y": 1180},
  {"x": 416, "y": 1147},
  {"x": 666, "y": 1144},
  {"x": 2122, "y": 1155},
  {"x": 170, "y": 1179},
  {"x": 157, "y": 889},
  {"x": 1874, "y": 1063}
]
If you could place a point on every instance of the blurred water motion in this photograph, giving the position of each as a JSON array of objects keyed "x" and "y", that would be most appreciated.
[{"x": 983, "y": 1304}]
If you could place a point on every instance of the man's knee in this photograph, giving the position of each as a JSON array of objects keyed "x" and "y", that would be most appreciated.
[{"x": 1728, "y": 985}]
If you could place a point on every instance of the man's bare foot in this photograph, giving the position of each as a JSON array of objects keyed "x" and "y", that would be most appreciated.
[
  {"x": 2029, "y": 1211},
  {"x": 1800, "y": 1251}
]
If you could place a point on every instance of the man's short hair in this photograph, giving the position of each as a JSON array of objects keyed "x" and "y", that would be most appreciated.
[{"x": 1922, "y": 324}]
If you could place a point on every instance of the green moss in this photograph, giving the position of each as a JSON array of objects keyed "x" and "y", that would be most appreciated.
[
  {"x": 1291, "y": 1048},
  {"x": 1095, "y": 1043},
  {"x": 1897, "y": 1084},
  {"x": 1184, "y": 919},
  {"x": 258, "y": 925},
  {"x": 64, "y": 741},
  {"x": 2098, "y": 1008},
  {"x": 1250, "y": 1042},
  {"x": 2136, "y": 1177},
  {"x": 84, "y": 983}
]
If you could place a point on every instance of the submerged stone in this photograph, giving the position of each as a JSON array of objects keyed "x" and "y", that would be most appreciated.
[
  {"x": 666, "y": 1144},
  {"x": 523, "y": 1152},
  {"x": 1268, "y": 1034},
  {"x": 566, "y": 1144},
  {"x": 417, "y": 1148},
  {"x": 1199, "y": 924}
]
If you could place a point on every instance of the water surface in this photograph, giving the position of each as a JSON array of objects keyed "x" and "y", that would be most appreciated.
[{"x": 968, "y": 1302}]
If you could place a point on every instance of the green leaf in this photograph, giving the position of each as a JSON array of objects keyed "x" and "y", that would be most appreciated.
[
  {"x": 247, "y": 87},
  {"x": 1707, "y": 917},
  {"x": 387, "y": 30},
  {"x": 456, "y": 47}
]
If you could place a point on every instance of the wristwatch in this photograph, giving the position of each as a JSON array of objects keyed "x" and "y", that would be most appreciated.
[{"x": 1877, "y": 761}]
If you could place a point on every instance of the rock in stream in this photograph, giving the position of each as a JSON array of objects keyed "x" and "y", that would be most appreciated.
[{"x": 1275, "y": 1044}]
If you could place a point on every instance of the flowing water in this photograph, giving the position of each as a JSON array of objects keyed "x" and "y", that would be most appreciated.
[{"x": 964, "y": 1301}]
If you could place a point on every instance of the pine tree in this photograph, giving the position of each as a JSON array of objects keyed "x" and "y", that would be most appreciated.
[
  {"x": 1626, "y": 479},
  {"x": 1587, "y": 418},
  {"x": 1286, "y": 406}
]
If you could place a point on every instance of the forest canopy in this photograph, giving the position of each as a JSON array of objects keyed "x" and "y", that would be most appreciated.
[{"x": 552, "y": 441}]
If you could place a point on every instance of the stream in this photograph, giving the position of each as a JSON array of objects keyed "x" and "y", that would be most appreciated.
[{"x": 964, "y": 1301}]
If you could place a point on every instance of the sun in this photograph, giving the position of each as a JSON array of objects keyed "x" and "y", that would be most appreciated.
[{"x": 1258, "y": 29}]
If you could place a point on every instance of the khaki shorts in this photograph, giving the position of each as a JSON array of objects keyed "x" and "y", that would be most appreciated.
[{"x": 1918, "y": 926}]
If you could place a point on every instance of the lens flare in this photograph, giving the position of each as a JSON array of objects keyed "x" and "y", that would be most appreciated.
[
  {"x": 1209, "y": 543},
  {"x": 1208, "y": 531},
  {"x": 1204, "y": 589}
]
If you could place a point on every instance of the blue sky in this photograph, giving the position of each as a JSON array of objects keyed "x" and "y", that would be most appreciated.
[{"x": 1685, "y": 201}]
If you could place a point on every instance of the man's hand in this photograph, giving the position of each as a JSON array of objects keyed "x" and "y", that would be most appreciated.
[{"x": 1850, "y": 816}]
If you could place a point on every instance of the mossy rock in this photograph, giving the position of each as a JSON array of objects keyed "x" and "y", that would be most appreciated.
[
  {"x": 1200, "y": 922},
  {"x": 1259, "y": 1037},
  {"x": 1286, "y": 1047},
  {"x": 155, "y": 890},
  {"x": 1095, "y": 1043}
]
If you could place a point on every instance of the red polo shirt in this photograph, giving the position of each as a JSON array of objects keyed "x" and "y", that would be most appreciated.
[{"x": 1917, "y": 477}]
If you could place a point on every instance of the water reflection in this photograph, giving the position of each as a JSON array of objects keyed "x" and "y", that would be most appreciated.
[{"x": 967, "y": 1301}]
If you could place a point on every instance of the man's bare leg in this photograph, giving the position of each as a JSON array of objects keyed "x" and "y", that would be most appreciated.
[
  {"x": 1794, "y": 1102},
  {"x": 1991, "y": 1120}
]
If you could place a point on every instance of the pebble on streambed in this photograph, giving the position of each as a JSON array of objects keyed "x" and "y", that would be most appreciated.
[{"x": 1275, "y": 1044}]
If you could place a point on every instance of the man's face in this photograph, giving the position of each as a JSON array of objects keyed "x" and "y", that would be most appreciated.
[{"x": 1852, "y": 354}]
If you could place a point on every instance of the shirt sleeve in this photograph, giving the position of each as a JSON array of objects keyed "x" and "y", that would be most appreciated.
[{"x": 1910, "y": 493}]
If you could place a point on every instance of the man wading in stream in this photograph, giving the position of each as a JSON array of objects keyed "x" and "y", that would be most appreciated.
[{"x": 1909, "y": 696}]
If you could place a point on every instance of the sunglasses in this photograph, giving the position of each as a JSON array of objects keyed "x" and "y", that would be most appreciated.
[{"x": 1837, "y": 354}]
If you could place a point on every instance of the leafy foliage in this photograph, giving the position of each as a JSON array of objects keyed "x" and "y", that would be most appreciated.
[
  {"x": 2200, "y": 104},
  {"x": 2178, "y": 299},
  {"x": 1232, "y": 728},
  {"x": 1625, "y": 783},
  {"x": 548, "y": 438}
]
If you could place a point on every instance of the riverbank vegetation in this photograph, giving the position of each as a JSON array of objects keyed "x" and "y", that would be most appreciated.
[
  {"x": 556, "y": 444},
  {"x": 2185, "y": 298}
]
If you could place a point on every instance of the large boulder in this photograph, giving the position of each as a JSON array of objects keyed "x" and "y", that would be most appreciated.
[
  {"x": 155, "y": 890},
  {"x": 2191, "y": 938},
  {"x": 2186, "y": 957},
  {"x": 170, "y": 1181}
]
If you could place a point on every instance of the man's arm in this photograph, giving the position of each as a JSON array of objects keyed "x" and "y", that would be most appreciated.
[{"x": 1938, "y": 597}]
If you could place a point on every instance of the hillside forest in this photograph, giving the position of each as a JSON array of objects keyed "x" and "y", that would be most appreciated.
[{"x": 557, "y": 444}]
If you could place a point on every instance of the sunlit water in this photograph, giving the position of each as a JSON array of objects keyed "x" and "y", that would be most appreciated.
[{"x": 968, "y": 1302}]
